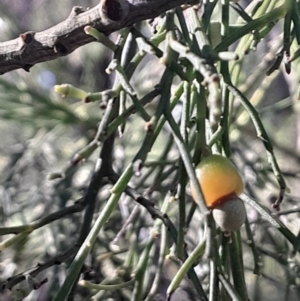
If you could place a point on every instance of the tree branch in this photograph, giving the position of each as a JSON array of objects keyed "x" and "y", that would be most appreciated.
[
  {"x": 40, "y": 267},
  {"x": 108, "y": 16}
]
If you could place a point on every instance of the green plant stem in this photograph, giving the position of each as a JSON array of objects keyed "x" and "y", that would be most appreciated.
[
  {"x": 296, "y": 21},
  {"x": 287, "y": 34},
  {"x": 186, "y": 266},
  {"x": 105, "y": 287},
  {"x": 205, "y": 66},
  {"x": 102, "y": 168},
  {"x": 213, "y": 281},
  {"x": 12, "y": 240},
  {"x": 161, "y": 260},
  {"x": 77, "y": 207},
  {"x": 85, "y": 248},
  {"x": 140, "y": 272},
  {"x": 173, "y": 102},
  {"x": 229, "y": 288},
  {"x": 165, "y": 106},
  {"x": 183, "y": 26},
  {"x": 255, "y": 253},
  {"x": 274, "y": 15},
  {"x": 131, "y": 110},
  {"x": 199, "y": 98},
  {"x": 150, "y": 48},
  {"x": 182, "y": 174},
  {"x": 224, "y": 70},
  {"x": 100, "y": 37},
  {"x": 271, "y": 218},
  {"x": 224, "y": 264},
  {"x": 187, "y": 160},
  {"x": 208, "y": 10},
  {"x": 237, "y": 267},
  {"x": 262, "y": 134}
]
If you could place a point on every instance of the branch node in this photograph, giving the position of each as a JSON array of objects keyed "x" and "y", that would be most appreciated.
[
  {"x": 137, "y": 167},
  {"x": 27, "y": 67},
  {"x": 27, "y": 37},
  {"x": 59, "y": 47},
  {"x": 114, "y": 10},
  {"x": 76, "y": 10}
]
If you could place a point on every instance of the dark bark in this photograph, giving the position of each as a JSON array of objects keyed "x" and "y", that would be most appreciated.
[{"x": 108, "y": 16}]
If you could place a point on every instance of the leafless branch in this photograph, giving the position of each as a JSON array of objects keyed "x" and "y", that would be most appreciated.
[
  {"x": 108, "y": 16},
  {"x": 77, "y": 207},
  {"x": 33, "y": 272}
]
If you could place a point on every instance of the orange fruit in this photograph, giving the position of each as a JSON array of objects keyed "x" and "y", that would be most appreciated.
[{"x": 218, "y": 179}]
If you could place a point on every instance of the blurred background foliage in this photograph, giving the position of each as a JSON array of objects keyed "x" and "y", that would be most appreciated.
[{"x": 41, "y": 132}]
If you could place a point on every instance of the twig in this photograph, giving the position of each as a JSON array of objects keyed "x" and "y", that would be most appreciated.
[
  {"x": 102, "y": 169},
  {"x": 33, "y": 272},
  {"x": 273, "y": 16},
  {"x": 273, "y": 220},
  {"x": 154, "y": 212},
  {"x": 290, "y": 211},
  {"x": 262, "y": 134},
  {"x": 32, "y": 47},
  {"x": 89, "y": 241},
  {"x": 77, "y": 207}
]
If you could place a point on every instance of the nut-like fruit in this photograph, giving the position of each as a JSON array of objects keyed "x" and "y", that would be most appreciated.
[
  {"x": 221, "y": 184},
  {"x": 230, "y": 215}
]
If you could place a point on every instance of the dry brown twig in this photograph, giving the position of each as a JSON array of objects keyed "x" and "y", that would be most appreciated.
[{"x": 108, "y": 16}]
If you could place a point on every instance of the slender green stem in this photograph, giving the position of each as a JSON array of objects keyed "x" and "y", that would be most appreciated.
[
  {"x": 100, "y": 37},
  {"x": 12, "y": 240},
  {"x": 77, "y": 207},
  {"x": 224, "y": 70},
  {"x": 198, "y": 97},
  {"x": 84, "y": 250},
  {"x": 237, "y": 267},
  {"x": 208, "y": 10},
  {"x": 229, "y": 288},
  {"x": 186, "y": 160},
  {"x": 205, "y": 66},
  {"x": 213, "y": 281},
  {"x": 287, "y": 35},
  {"x": 105, "y": 287},
  {"x": 140, "y": 272},
  {"x": 161, "y": 260},
  {"x": 274, "y": 15},
  {"x": 196, "y": 255},
  {"x": 262, "y": 134},
  {"x": 255, "y": 253},
  {"x": 271, "y": 218},
  {"x": 182, "y": 174}
]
